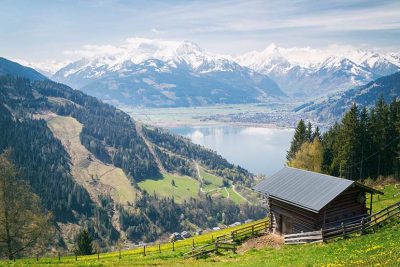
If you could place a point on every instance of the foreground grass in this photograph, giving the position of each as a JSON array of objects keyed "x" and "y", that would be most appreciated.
[{"x": 379, "y": 248}]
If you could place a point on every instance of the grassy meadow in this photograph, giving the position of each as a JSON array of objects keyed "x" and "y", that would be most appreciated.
[{"x": 184, "y": 188}]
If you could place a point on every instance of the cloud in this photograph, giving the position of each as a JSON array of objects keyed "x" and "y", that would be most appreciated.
[
  {"x": 94, "y": 50},
  {"x": 157, "y": 32}
]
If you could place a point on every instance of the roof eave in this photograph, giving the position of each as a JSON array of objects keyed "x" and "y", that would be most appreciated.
[
  {"x": 369, "y": 189},
  {"x": 289, "y": 202}
]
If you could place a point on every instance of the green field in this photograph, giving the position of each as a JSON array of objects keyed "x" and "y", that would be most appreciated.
[
  {"x": 214, "y": 186},
  {"x": 380, "y": 248},
  {"x": 212, "y": 181},
  {"x": 234, "y": 196},
  {"x": 185, "y": 187}
]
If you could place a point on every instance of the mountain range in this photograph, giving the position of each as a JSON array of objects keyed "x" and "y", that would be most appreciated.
[
  {"x": 160, "y": 73},
  {"x": 306, "y": 72}
]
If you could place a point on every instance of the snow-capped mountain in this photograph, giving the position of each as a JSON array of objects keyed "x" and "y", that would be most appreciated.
[
  {"x": 307, "y": 72},
  {"x": 149, "y": 72}
]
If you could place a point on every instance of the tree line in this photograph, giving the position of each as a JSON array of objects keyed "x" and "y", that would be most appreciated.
[{"x": 364, "y": 144}]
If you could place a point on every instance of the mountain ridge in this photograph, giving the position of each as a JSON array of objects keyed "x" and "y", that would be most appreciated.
[
  {"x": 330, "y": 108},
  {"x": 161, "y": 73}
]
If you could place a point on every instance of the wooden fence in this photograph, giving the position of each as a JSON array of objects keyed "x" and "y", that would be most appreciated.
[
  {"x": 229, "y": 241},
  {"x": 302, "y": 238},
  {"x": 362, "y": 225}
]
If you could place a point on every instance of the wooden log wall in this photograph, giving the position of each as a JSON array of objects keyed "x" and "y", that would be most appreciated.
[{"x": 342, "y": 208}]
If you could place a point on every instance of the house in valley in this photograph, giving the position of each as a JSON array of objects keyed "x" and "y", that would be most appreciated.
[{"x": 304, "y": 201}]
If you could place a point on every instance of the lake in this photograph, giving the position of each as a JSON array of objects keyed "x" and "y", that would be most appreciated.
[{"x": 259, "y": 150}]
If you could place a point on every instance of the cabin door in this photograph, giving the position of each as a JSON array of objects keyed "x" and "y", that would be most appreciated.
[{"x": 287, "y": 225}]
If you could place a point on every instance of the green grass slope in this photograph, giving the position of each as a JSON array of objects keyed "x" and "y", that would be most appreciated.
[{"x": 184, "y": 188}]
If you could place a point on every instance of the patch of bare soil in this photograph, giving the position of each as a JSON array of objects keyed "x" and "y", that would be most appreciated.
[{"x": 268, "y": 240}]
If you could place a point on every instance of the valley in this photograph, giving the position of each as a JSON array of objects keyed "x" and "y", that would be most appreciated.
[{"x": 199, "y": 133}]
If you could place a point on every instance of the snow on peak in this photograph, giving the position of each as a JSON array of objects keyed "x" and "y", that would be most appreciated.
[{"x": 138, "y": 50}]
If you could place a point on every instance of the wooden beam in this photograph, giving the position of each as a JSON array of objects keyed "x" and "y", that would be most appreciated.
[{"x": 370, "y": 205}]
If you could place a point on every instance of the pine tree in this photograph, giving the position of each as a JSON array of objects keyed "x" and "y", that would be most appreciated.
[
  {"x": 300, "y": 136},
  {"x": 309, "y": 133},
  {"x": 84, "y": 243},
  {"x": 346, "y": 146},
  {"x": 316, "y": 134},
  {"x": 379, "y": 132}
]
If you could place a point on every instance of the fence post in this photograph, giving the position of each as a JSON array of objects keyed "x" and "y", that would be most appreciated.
[
  {"x": 193, "y": 242},
  {"x": 59, "y": 256},
  {"x": 144, "y": 250},
  {"x": 98, "y": 255},
  {"x": 362, "y": 226},
  {"x": 119, "y": 253},
  {"x": 344, "y": 230},
  {"x": 173, "y": 245},
  {"x": 37, "y": 257},
  {"x": 159, "y": 247},
  {"x": 233, "y": 235}
]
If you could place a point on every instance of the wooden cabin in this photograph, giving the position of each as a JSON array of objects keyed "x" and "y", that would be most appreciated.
[{"x": 303, "y": 201}]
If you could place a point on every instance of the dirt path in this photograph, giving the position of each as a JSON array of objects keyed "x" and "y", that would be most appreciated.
[
  {"x": 149, "y": 145},
  {"x": 234, "y": 190},
  {"x": 227, "y": 192}
]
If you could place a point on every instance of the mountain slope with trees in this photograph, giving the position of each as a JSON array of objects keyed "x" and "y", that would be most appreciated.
[
  {"x": 111, "y": 137},
  {"x": 331, "y": 108}
]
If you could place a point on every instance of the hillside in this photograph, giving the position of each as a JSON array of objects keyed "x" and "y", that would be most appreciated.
[
  {"x": 379, "y": 248},
  {"x": 92, "y": 165},
  {"x": 155, "y": 73},
  {"x": 12, "y": 68},
  {"x": 331, "y": 108}
]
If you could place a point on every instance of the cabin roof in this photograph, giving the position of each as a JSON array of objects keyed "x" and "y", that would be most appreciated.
[{"x": 306, "y": 189}]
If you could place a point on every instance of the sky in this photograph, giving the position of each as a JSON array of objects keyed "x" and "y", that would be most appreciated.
[{"x": 47, "y": 29}]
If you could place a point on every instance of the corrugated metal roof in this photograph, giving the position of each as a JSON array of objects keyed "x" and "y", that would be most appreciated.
[{"x": 309, "y": 190}]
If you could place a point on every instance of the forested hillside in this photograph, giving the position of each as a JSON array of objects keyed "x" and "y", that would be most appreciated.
[
  {"x": 365, "y": 144},
  {"x": 90, "y": 190},
  {"x": 330, "y": 108}
]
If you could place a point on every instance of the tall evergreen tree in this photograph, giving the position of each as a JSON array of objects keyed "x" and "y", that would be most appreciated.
[
  {"x": 300, "y": 136},
  {"x": 84, "y": 243},
  {"x": 309, "y": 133},
  {"x": 316, "y": 134},
  {"x": 346, "y": 146},
  {"x": 379, "y": 130}
]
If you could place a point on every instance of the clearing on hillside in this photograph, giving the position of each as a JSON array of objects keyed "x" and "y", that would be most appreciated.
[
  {"x": 97, "y": 177},
  {"x": 184, "y": 186}
]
